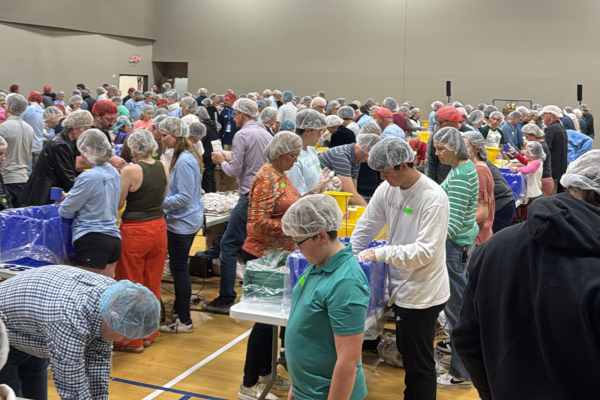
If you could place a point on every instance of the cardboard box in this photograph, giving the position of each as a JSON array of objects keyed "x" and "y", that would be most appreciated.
[{"x": 225, "y": 183}]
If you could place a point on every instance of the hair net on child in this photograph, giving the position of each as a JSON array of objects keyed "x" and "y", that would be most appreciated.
[
  {"x": 312, "y": 214},
  {"x": 497, "y": 114},
  {"x": 287, "y": 125},
  {"x": 476, "y": 117},
  {"x": 160, "y": 111},
  {"x": 119, "y": 123},
  {"x": 310, "y": 119},
  {"x": 583, "y": 173},
  {"x": 94, "y": 147},
  {"x": 346, "y": 112},
  {"x": 533, "y": 129},
  {"x": 370, "y": 127},
  {"x": 333, "y": 120},
  {"x": 476, "y": 139},
  {"x": 51, "y": 112},
  {"x": 78, "y": 119},
  {"x": 536, "y": 150},
  {"x": 16, "y": 103},
  {"x": 267, "y": 114},
  {"x": 451, "y": 139},
  {"x": 158, "y": 119},
  {"x": 142, "y": 142},
  {"x": 202, "y": 113},
  {"x": 246, "y": 106},
  {"x": 436, "y": 105},
  {"x": 190, "y": 104},
  {"x": 514, "y": 115},
  {"x": 175, "y": 127},
  {"x": 366, "y": 141},
  {"x": 145, "y": 109},
  {"x": 487, "y": 110},
  {"x": 282, "y": 143},
  {"x": 130, "y": 309},
  {"x": 331, "y": 106},
  {"x": 197, "y": 129},
  {"x": 390, "y": 152},
  {"x": 390, "y": 103}
]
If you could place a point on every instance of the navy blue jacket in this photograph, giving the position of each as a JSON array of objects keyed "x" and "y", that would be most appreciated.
[
  {"x": 226, "y": 118},
  {"x": 199, "y": 99}
]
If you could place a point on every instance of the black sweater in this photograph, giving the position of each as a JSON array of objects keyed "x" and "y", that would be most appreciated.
[
  {"x": 530, "y": 323},
  {"x": 557, "y": 140},
  {"x": 341, "y": 137}
]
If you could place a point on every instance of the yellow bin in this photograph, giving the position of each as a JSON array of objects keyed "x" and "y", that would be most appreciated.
[
  {"x": 342, "y": 198},
  {"x": 424, "y": 136},
  {"x": 492, "y": 153},
  {"x": 425, "y": 123},
  {"x": 346, "y": 230}
]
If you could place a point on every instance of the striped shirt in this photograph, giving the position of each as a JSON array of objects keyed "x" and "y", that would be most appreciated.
[
  {"x": 462, "y": 187},
  {"x": 341, "y": 160}
]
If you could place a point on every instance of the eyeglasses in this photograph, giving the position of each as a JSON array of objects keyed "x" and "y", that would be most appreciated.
[
  {"x": 298, "y": 244},
  {"x": 293, "y": 156}
]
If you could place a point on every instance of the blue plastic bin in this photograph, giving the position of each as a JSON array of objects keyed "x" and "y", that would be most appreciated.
[{"x": 35, "y": 236}]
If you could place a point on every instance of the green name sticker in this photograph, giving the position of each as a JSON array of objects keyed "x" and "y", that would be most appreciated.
[
  {"x": 408, "y": 211},
  {"x": 155, "y": 155},
  {"x": 282, "y": 185},
  {"x": 319, "y": 166},
  {"x": 513, "y": 133},
  {"x": 302, "y": 280}
]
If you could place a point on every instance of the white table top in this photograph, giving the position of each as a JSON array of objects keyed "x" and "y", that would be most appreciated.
[
  {"x": 270, "y": 314},
  {"x": 216, "y": 220}
]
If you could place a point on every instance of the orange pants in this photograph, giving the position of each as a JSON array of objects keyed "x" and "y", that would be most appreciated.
[{"x": 143, "y": 254}]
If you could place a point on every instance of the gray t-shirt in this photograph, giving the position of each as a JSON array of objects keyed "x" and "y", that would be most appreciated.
[
  {"x": 342, "y": 160},
  {"x": 19, "y": 138}
]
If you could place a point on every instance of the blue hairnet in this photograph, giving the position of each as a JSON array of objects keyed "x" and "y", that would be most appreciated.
[
  {"x": 130, "y": 309},
  {"x": 121, "y": 122},
  {"x": 261, "y": 103},
  {"x": 287, "y": 95},
  {"x": 287, "y": 125}
]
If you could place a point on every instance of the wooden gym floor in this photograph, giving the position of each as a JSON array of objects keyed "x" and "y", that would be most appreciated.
[{"x": 209, "y": 363}]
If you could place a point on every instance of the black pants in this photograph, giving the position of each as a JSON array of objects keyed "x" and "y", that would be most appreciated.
[
  {"x": 15, "y": 190},
  {"x": 415, "y": 332},
  {"x": 503, "y": 217},
  {"x": 179, "y": 249},
  {"x": 209, "y": 183},
  {"x": 26, "y": 375}
]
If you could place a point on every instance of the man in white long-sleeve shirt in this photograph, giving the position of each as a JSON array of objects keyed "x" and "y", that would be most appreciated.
[{"x": 416, "y": 210}]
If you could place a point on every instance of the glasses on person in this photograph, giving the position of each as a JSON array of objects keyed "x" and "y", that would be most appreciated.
[
  {"x": 298, "y": 244},
  {"x": 293, "y": 156}
]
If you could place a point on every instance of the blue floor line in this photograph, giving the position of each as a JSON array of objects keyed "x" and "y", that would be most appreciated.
[{"x": 187, "y": 395}]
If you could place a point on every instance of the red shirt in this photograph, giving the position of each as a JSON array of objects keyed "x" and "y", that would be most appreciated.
[{"x": 400, "y": 121}]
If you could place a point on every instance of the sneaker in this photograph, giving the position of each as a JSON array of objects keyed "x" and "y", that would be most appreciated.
[
  {"x": 444, "y": 346},
  {"x": 446, "y": 361},
  {"x": 167, "y": 268},
  {"x": 217, "y": 306},
  {"x": 282, "y": 361},
  {"x": 280, "y": 384},
  {"x": 254, "y": 392},
  {"x": 438, "y": 356},
  {"x": 177, "y": 327},
  {"x": 209, "y": 253},
  {"x": 447, "y": 381},
  {"x": 128, "y": 349},
  {"x": 174, "y": 315}
]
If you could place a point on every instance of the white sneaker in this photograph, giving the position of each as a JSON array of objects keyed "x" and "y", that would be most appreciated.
[
  {"x": 254, "y": 392},
  {"x": 177, "y": 327},
  {"x": 438, "y": 355},
  {"x": 280, "y": 384},
  {"x": 446, "y": 361},
  {"x": 447, "y": 381},
  {"x": 167, "y": 268}
]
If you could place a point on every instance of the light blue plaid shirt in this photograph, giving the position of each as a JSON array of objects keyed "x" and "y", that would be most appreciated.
[{"x": 53, "y": 312}]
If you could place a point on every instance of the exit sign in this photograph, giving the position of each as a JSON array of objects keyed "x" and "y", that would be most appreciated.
[{"x": 134, "y": 59}]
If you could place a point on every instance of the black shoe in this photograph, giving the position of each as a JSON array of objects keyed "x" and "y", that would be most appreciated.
[
  {"x": 209, "y": 253},
  {"x": 444, "y": 346},
  {"x": 282, "y": 361},
  {"x": 217, "y": 306}
]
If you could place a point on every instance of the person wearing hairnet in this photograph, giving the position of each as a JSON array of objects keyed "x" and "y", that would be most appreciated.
[
  {"x": 88, "y": 100},
  {"x": 226, "y": 118},
  {"x": 345, "y": 162},
  {"x": 53, "y": 117},
  {"x": 491, "y": 132},
  {"x": 153, "y": 129},
  {"x": 332, "y": 108},
  {"x": 5, "y": 199},
  {"x": 211, "y": 108},
  {"x": 270, "y": 196},
  {"x": 414, "y": 124},
  {"x": 144, "y": 186},
  {"x": 48, "y": 97},
  {"x": 122, "y": 109},
  {"x": 92, "y": 204},
  {"x": 462, "y": 187},
  {"x": 173, "y": 97},
  {"x": 60, "y": 99},
  {"x": 581, "y": 121},
  {"x": 66, "y": 318},
  {"x": 486, "y": 203},
  {"x": 553, "y": 255},
  {"x": 511, "y": 133},
  {"x": 268, "y": 119},
  {"x": 347, "y": 114},
  {"x": 202, "y": 92},
  {"x": 134, "y": 104},
  {"x": 287, "y": 110},
  {"x": 532, "y": 133},
  {"x": 306, "y": 174},
  {"x": 19, "y": 137},
  {"x": 74, "y": 104},
  {"x": 184, "y": 216},
  {"x": 331, "y": 326},
  {"x": 398, "y": 118},
  {"x": 360, "y": 117},
  {"x": 209, "y": 182},
  {"x": 416, "y": 210},
  {"x": 589, "y": 120},
  {"x": 145, "y": 121},
  {"x": 436, "y": 105},
  {"x": 318, "y": 104},
  {"x": 340, "y": 135},
  {"x": 33, "y": 117},
  {"x": 366, "y": 108},
  {"x": 533, "y": 159},
  {"x": 557, "y": 140},
  {"x": 384, "y": 118},
  {"x": 475, "y": 120}
]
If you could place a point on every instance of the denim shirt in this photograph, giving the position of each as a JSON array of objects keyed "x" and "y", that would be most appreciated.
[
  {"x": 93, "y": 202},
  {"x": 33, "y": 116},
  {"x": 134, "y": 108},
  {"x": 183, "y": 205},
  {"x": 431, "y": 122}
]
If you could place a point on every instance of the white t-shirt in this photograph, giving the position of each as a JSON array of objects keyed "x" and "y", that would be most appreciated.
[
  {"x": 306, "y": 172},
  {"x": 417, "y": 220},
  {"x": 287, "y": 111},
  {"x": 493, "y": 138}
]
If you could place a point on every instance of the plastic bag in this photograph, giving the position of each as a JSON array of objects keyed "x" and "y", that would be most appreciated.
[
  {"x": 518, "y": 183},
  {"x": 388, "y": 351},
  {"x": 264, "y": 278},
  {"x": 35, "y": 236}
]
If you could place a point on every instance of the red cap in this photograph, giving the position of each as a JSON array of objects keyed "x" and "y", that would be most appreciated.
[
  {"x": 162, "y": 101},
  {"x": 47, "y": 88},
  {"x": 35, "y": 96},
  {"x": 130, "y": 90},
  {"x": 104, "y": 107},
  {"x": 62, "y": 108},
  {"x": 414, "y": 143},
  {"x": 232, "y": 97},
  {"x": 14, "y": 88},
  {"x": 450, "y": 113},
  {"x": 384, "y": 113}
]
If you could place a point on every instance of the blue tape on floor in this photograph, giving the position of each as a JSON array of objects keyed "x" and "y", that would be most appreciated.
[{"x": 188, "y": 395}]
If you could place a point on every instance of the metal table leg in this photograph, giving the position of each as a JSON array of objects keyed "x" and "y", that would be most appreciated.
[{"x": 273, "y": 363}]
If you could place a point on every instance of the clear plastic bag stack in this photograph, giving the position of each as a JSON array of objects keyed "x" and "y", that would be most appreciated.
[
  {"x": 264, "y": 280},
  {"x": 518, "y": 183}
]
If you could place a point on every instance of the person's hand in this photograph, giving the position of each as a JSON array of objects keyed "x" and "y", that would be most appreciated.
[
  {"x": 226, "y": 156},
  {"x": 217, "y": 157},
  {"x": 117, "y": 162},
  {"x": 202, "y": 191},
  {"x": 366, "y": 256},
  {"x": 290, "y": 395},
  {"x": 336, "y": 183},
  {"x": 513, "y": 169},
  {"x": 62, "y": 197},
  {"x": 323, "y": 181}
]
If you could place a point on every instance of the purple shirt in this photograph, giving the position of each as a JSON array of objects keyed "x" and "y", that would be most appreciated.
[{"x": 247, "y": 156}]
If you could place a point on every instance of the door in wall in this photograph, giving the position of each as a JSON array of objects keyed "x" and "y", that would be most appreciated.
[
  {"x": 139, "y": 82},
  {"x": 181, "y": 85}
]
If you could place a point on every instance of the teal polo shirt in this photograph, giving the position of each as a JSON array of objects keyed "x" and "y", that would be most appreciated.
[{"x": 331, "y": 299}]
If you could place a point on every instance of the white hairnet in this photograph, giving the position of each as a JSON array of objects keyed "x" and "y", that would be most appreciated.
[
  {"x": 117, "y": 101},
  {"x": 189, "y": 119},
  {"x": 202, "y": 91},
  {"x": 413, "y": 111},
  {"x": 481, "y": 106},
  {"x": 369, "y": 102},
  {"x": 202, "y": 113},
  {"x": 207, "y": 102},
  {"x": 171, "y": 95},
  {"x": 354, "y": 127},
  {"x": 436, "y": 105},
  {"x": 130, "y": 309},
  {"x": 584, "y": 172},
  {"x": 137, "y": 93},
  {"x": 487, "y": 110},
  {"x": 312, "y": 214},
  {"x": 391, "y": 104},
  {"x": 370, "y": 127},
  {"x": 451, "y": 139},
  {"x": 158, "y": 119},
  {"x": 514, "y": 115},
  {"x": 310, "y": 119},
  {"x": 94, "y": 146},
  {"x": 282, "y": 143},
  {"x": 166, "y": 85},
  {"x": 145, "y": 109},
  {"x": 75, "y": 99},
  {"x": 3, "y": 142},
  {"x": 475, "y": 117},
  {"x": 497, "y": 114},
  {"x": 190, "y": 104},
  {"x": 342, "y": 101},
  {"x": 331, "y": 106},
  {"x": 160, "y": 111},
  {"x": 100, "y": 90},
  {"x": 246, "y": 106},
  {"x": 267, "y": 114},
  {"x": 469, "y": 107},
  {"x": 476, "y": 139},
  {"x": 321, "y": 93},
  {"x": 553, "y": 110},
  {"x": 76, "y": 93},
  {"x": 536, "y": 150},
  {"x": 533, "y": 129},
  {"x": 584, "y": 107},
  {"x": 175, "y": 127},
  {"x": 373, "y": 109},
  {"x": 78, "y": 119},
  {"x": 197, "y": 129},
  {"x": 578, "y": 113},
  {"x": 404, "y": 109},
  {"x": 16, "y": 103},
  {"x": 523, "y": 110},
  {"x": 366, "y": 141},
  {"x": 142, "y": 142},
  {"x": 305, "y": 99},
  {"x": 51, "y": 112},
  {"x": 346, "y": 112},
  {"x": 333, "y": 120},
  {"x": 390, "y": 152}
]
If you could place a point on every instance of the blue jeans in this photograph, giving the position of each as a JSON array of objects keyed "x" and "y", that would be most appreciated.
[
  {"x": 504, "y": 216},
  {"x": 179, "y": 249},
  {"x": 26, "y": 375},
  {"x": 231, "y": 244},
  {"x": 457, "y": 272}
]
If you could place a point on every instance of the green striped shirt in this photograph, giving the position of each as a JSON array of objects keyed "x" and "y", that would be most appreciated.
[{"x": 462, "y": 187}]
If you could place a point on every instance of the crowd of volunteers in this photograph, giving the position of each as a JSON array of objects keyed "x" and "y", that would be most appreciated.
[{"x": 520, "y": 298}]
